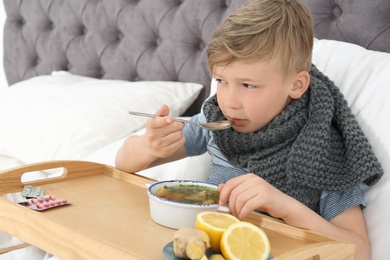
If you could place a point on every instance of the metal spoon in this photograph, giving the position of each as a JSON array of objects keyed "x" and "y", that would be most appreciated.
[{"x": 213, "y": 126}]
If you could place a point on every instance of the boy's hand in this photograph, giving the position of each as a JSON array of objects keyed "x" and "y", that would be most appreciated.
[
  {"x": 250, "y": 192},
  {"x": 164, "y": 136}
]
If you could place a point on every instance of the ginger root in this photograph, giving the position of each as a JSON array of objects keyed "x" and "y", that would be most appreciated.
[{"x": 190, "y": 243}]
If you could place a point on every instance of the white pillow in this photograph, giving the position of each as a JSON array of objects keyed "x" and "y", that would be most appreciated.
[
  {"x": 364, "y": 78},
  {"x": 64, "y": 116}
]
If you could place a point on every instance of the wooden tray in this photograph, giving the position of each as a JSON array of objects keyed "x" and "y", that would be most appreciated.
[{"x": 109, "y": 218}]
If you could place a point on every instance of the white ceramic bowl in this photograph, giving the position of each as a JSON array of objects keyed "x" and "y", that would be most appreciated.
[{"x": 177, "y": 214}]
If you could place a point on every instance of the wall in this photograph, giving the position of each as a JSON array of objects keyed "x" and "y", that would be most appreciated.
[{"x": 3, "y": 81}]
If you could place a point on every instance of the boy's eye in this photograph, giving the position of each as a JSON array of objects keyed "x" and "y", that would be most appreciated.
[
  {"x": 220, "y": 81},
  {"x": 248, "y": 86}
]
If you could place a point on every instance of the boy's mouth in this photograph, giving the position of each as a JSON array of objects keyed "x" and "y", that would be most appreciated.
[{"x": 236, "y": 121}]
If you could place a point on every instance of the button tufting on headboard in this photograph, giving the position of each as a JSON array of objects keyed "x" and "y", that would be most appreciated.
[
  {"x": 337, "y": 11},
  {"x": 50, "y": 25},
  {"x": 20, "y": 22}
]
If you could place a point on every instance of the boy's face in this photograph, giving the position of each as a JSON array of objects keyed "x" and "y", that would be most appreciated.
[{"x": 251, "y": 94}]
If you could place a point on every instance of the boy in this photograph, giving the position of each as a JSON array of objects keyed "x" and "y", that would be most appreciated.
[{"x": 295, "y": 151}]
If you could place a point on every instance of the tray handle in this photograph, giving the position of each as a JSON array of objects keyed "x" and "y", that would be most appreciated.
[{"x": 12, "y": 178}]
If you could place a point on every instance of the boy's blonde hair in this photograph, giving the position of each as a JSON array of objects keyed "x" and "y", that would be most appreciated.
[{"x": 265, "y": 30}]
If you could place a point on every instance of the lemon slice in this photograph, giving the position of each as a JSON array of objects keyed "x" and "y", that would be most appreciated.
[
  {"x": 244, "y": 240},
  {"x": 214, "y": 224}
]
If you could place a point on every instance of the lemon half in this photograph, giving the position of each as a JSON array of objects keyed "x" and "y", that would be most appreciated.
[
  {"x": 214, "y": 224},
  {"x": 244, "y": 240}
]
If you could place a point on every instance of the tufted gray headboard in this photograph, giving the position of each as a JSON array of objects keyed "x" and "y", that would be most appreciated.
[
  {"x": 363, "y": 22},
  {"x": 153, "y": 39}
]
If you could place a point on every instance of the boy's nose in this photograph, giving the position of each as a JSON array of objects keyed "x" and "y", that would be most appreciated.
[{"x": 232, "y": 99}]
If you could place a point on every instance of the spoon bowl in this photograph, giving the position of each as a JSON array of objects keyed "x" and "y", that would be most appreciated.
[{"x": 212, "y": 126}]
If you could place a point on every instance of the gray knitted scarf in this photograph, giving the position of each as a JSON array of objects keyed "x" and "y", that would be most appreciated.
[{"x": 315, "y": 144}]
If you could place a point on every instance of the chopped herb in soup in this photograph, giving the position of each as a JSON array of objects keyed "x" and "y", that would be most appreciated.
[{"x": 189, "y": 193}]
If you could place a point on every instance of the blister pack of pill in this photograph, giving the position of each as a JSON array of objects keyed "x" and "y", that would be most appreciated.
[
  {"x": 15, "y": 197},
  {"x": 32, "y": 192},
  {"x": 45, "y": 202}
]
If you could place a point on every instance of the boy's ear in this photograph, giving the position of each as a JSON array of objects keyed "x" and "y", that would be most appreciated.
[{"x": 301, "y": 82}]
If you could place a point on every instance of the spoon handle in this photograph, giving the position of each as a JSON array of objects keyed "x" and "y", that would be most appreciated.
[
  {"x": 142, "y": 114},
  {"x": 152, "y": 115}
]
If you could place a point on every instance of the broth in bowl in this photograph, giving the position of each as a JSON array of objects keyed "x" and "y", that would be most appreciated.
[
  {"x": 175, "y": 203},
  {"x": 189, "y": 193}
]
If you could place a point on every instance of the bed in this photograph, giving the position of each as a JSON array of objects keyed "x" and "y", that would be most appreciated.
[{"x": 75, "y": 67}]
